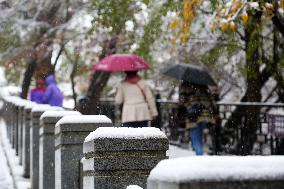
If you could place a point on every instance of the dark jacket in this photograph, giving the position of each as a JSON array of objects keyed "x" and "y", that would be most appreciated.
[
  {"x": 192, "y": 95},
  {"x": 52, "y": 95}
]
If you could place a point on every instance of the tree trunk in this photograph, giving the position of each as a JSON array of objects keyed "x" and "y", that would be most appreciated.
[
  {"x": 278, "y": 23},
  {"x": 278, "y": 76},
  {"x": 31, "y": 66},
  {"x": 253, "y": 62},
  {"x": 248, "y": 118},
  {"x": 98, "y": 82},
  {"x": 72, "y": 76}
]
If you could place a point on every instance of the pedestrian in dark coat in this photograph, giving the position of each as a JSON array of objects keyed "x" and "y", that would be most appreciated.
[
  {"x": 36, "y": 94},
  {"x": 52, "y": 95},
  {"x": 200, "y": 112}
]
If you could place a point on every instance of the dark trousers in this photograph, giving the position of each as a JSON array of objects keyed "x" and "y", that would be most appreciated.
[{"x": 135, "y": 124}]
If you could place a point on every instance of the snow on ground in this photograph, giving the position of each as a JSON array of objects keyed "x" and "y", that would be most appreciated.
[
  {"x": 133, "y": 187},
  {"x": 16, "y": 171},
  {"x": 176, "y": 152},
  {"x": 5, "y": 177}
]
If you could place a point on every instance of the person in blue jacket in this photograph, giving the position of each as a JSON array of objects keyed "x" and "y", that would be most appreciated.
[{"x": 52, "y": 95}]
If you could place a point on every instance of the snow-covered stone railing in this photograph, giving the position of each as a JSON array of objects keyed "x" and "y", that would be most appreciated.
[
  {"x": 7, "y": 115},
  {"x": 20, "y": 104},
  {"x": 16, "y": 102},
  {"x": 14, "y": 113},
  {"x": 26, "y": 138},
  {"x": 11, "y": 118},
  {"x": 36, "y": 112},
  {"x": 70, "y": 133},
  {"x": 222, "y": 172},
  {"x": 115, "y": 158},
  {"x": 47, "y": 148}
]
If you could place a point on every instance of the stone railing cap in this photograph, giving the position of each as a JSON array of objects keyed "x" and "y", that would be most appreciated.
[
  {"x": 83, "y": 119},
  {"x": 125, "y": 133},
  {"x": 21, "y": 102},
  {"x": 45, "y": 107},
  {"x": 30, "y": 105},
  {"x": 58, "y": 113},
  {"x": 11, "y": 99},
  {"x": 219, "y": 168}
]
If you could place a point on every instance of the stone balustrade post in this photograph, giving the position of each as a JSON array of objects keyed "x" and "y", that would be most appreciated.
[
  {"x": 14, "y": 133},
  {"x": 21, "y": 105},
  {"x": 12, "y": 121},
  {"x": 47, "y": 148},
  {"x": 8, "y": 114},
  {"x": 16, "y": 103},
  {"x": 222, "y": 172},
  {"x": 26, "y": 138},
  {"x": 70, "y": 133},
  {"x": 34, "y": 142},
  {"x": 115, "y": 158}
]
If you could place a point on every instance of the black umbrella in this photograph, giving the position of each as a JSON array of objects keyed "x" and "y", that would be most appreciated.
[{"x": 188, "y": 72}]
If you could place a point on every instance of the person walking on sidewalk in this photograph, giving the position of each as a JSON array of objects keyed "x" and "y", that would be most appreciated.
[
  {"x": 138, "y": 101},
  {"x": 200, "y": 113}
]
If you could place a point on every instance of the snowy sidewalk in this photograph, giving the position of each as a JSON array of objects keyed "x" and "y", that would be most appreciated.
[
  {"x": 6, "y": 181},
  {"x": 10, "y": 170},
  {"x": 5, "y": 176}
]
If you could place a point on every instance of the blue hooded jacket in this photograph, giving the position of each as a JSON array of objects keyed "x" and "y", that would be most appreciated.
[{"x": 52, "y": 95}]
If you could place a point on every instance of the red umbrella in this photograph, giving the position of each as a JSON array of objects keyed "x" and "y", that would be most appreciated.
[{"x": 121, "y": 62}]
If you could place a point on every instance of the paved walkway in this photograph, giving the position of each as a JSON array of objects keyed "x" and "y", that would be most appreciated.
[
  {"x": 10, "y": 170},
  {"x": 5, "y": 176}
]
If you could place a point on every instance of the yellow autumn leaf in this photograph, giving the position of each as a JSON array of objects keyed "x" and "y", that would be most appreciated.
[
  {"x": 186, "y": 9},
  {"x": 186, "y": 15},
  {"x": 233, "y": 26},
  {"x": 236, "y": 6},
  {"x": 186, "y": 35},
  {"x": 281, "y": 4},
  {"x": 245, "y": 17},
  {"x": 224, "y": 25},
  {"x": 174, "y": 24},
  {"x": 184, "y": 38}
]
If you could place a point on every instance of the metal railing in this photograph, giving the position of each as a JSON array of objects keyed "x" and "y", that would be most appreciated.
[
  {"x": 239, "y": 119},
  {"x": 230, "y": 135}
]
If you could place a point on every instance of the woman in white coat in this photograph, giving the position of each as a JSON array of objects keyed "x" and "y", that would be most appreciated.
[{"x": 138, "y": 101}]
